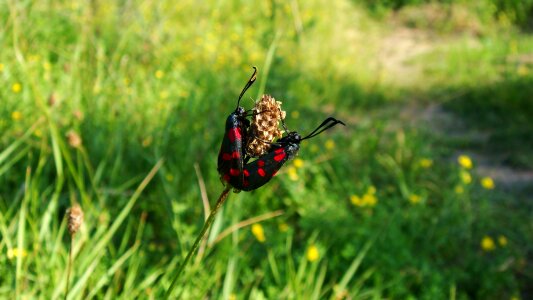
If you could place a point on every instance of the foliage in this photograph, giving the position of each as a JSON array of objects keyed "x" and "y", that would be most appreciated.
[{"x": 120, "y": 106}]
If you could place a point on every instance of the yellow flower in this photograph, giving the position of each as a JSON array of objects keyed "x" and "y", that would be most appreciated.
[
  {"x": 502, "y": 240},
  {"x": 16, "y": 252},
  {"x": 283, "y": 227},
  {"x": 293, "y": 174},
  {"x": 487, "y": 183},
  {"x": 164, "y": 95},
  {"x": 16, "y": 115},
  {"x": 258, "y": 232},
  {"x": 465, "y": 161},
  {"x": 330, "y": 144},
  {"x": 159, "y": 74},
  {"x": 312, "y": 253},
  {"x": 38, "y": 132},
  {"x": 487, "y": 244},
  {"x": 232, "y": 297},
  {"x": 147, "y": 141},
  {"x": 16, "y": 88},
  {"x": 1, "y": 67},
  {"x": 414, "y": 199},
  {"x": 465, "y": 176},
  {"x": 47, "y": 66},
  {"x": 370, "y": 200},
  {"x": 522, "y": 70},
  {"x": 356, "y": 200},
  {"x": 295, "y": 114},
  {"x": 298, "y": 163},
  {"x": 459, "y": 189},
  {"x": 426, "y": 163}
]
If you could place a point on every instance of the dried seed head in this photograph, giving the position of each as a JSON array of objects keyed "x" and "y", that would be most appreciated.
[
  {"x": 74, "y": 139},
  {"x": 75, "y": 218},
  {"x": 264, "y": 129}
]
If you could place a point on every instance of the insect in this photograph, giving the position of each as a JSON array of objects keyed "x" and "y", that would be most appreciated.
[
  {"x": 231, "y": 154},
  {"x": 258, "y": 172}
]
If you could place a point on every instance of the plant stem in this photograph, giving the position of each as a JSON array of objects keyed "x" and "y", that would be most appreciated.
[
  {"x": 221, "y": 199},
  {"x": 69, "y": 265}
]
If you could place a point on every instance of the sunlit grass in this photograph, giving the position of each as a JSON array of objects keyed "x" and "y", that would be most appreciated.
[{"x": 110, "y": 105}]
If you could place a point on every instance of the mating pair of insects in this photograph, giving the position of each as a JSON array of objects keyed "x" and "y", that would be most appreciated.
[{"x": 233, "y": 160}]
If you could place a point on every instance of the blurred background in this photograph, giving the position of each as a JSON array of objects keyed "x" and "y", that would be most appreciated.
[{"x": 425, "y": 194}]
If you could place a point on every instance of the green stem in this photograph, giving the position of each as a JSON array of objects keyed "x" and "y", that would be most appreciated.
[{"x": 199, "y": 238}]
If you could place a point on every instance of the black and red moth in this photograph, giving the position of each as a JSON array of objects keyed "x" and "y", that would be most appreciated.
[
  {"x": 258, "y": 172},
  {"x": 233, "y": 165},
  {"x": 231, "y": 154}
]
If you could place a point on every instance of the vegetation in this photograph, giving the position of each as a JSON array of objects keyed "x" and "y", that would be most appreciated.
[{"x": 120, "y": 106}]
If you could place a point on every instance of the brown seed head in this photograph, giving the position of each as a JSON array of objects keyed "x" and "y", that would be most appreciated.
[
  {"x": 74, "y": 139},
  {"x": 75, "y": 218},
  {"x": 264, "y": 128}
]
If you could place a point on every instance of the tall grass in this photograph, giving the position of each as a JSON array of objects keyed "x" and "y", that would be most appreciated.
[{"x": 111, "y": 105}]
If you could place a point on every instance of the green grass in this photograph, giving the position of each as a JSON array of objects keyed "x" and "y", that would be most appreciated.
[{"x": 147, "y": 87}]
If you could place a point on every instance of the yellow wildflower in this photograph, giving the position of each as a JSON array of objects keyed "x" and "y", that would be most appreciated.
[
  {"x": 414, "y": 199},
  {"x": 283, "y": 227},
  {"x": 487, "y": 244},
  {"x": 147, "y": 141},
  {"x": 465, "y": 161},
  {"x": 38, "y": 132},
  {"x": 293, "y": 174},
  {"x": 312, "y": 253},
  {"x": 159, "y": 74},
  {"x": 356, "y": 200},
  {"x": 16, "y": 252},
  {"x": 232, "y": 297},
  {"x": 47, "y": 66},
  {"x": 465, "y": 176},
  {"x": 258, "y": 232},
  {"x": 16, "y": 115},
  {"x": 330, "y": 144},
  {"x": 425, "y": 163},
  {"x": 522, "y": 70},
  {"x": 487, "y": 183},
  {"x": 295, "y": 114},
  {"x": 164, "y": 95},
  {"x": 298, "y": 163},
  {"x": 1, "y": 67},
  {"x": 16, "y": 88},
  {"x": 502, "y": 240},
  {"x": 459, "y": 189},
  {"x": 370, "y": 200}
]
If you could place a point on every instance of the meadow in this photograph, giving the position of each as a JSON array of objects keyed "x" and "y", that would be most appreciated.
[{"x": 119, "y": 106}]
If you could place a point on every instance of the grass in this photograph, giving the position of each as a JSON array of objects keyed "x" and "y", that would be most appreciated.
[{"x": 112, "y": 105}]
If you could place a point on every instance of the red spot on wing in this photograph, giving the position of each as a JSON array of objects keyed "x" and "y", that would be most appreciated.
[
  {"x": 235, "y": 154},
  {"x": 246, "y": 173},
  {"x": 260, "y": 163},
  {"x": 279, "y": 157},
  {"x": 225, "y": 177},
  {"x": 278, "y": 151},
  {"x": 234, "y": 172},
  {"x": 261, "y": 172},
  {"x": 234, "y": 134},
  {"x": 226, "y": 156}
]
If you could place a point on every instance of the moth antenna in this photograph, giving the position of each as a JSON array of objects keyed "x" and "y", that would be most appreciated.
[
  {"x": 247, "y": 86},
  {"x": 326, "y": 124}
]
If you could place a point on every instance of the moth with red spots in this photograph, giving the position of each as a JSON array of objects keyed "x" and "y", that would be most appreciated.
[
  {"x": 258, "y": 172},
  {"x": 231, "y": 158}
]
